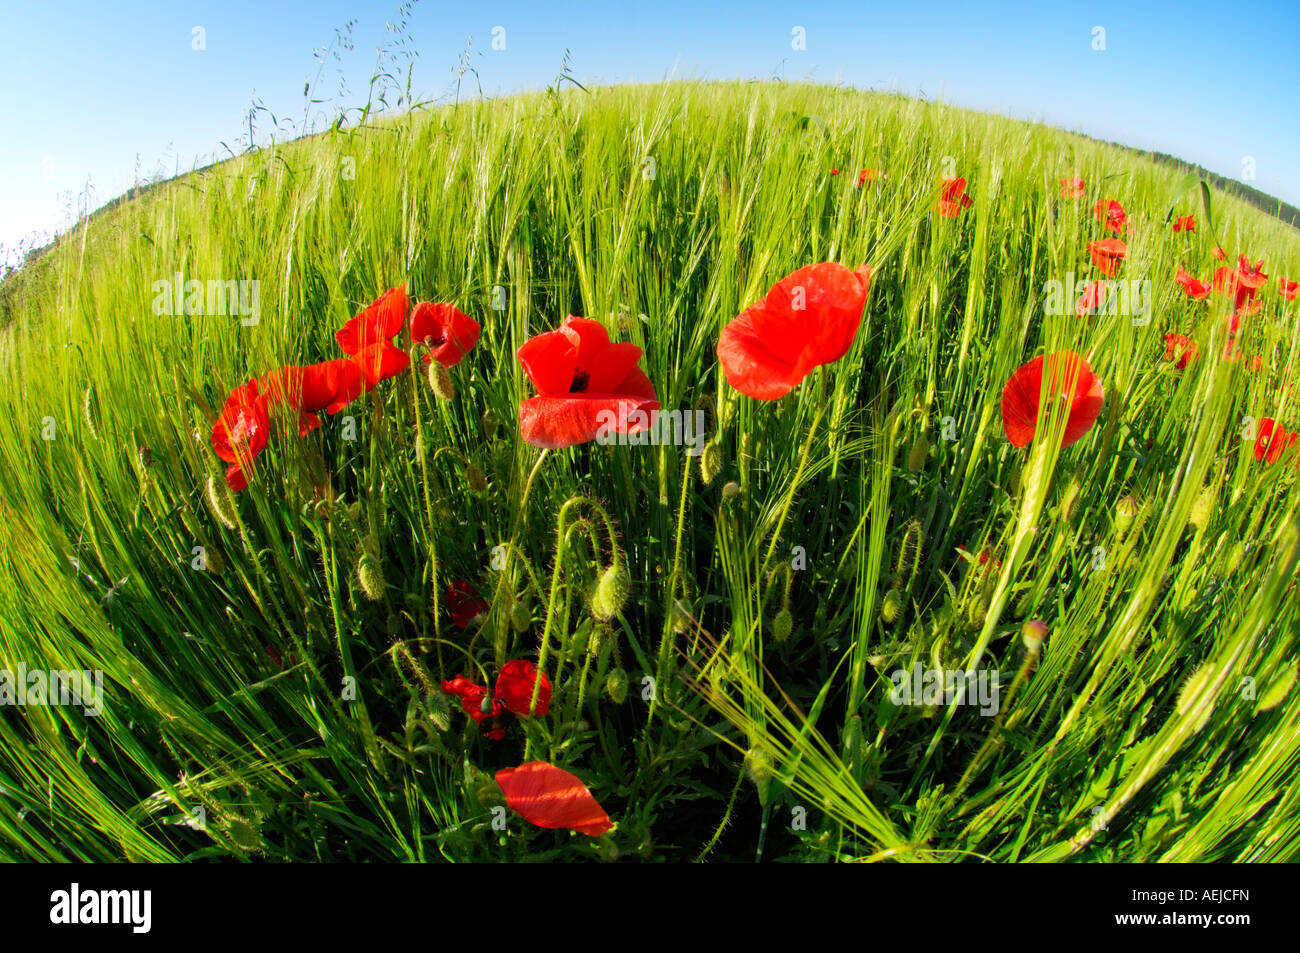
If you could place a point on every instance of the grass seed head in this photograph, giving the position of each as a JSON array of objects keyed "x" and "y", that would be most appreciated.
[{"x": 916, "y": 456}]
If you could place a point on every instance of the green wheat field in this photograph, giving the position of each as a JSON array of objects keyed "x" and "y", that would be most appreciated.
[{"x": 721, "y": 630}]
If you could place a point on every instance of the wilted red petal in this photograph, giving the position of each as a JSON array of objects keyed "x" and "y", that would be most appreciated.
[
  {"x": 551, "y": 797},
  {"x": 515, "y": 687}
]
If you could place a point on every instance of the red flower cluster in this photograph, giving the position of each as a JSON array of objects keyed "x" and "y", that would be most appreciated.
[
  {"x": 1107, "y": 255},
  {"x": 1183, "y": 347},
  {"x": 243, "y": 426},
  {"x": 1272, "y": 440},
  {"x": 1196, "y": 290},
  {"x": 514, "y": 689}
]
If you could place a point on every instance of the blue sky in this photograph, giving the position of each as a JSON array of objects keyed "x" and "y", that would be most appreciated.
[{"x": 99, "y": 93}]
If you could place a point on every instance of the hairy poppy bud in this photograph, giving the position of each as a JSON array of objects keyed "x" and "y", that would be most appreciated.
[
  {"x": 1126, "y": 511},
  {"x": 782, "y": 625},
  {"x": 371, "y": 574},
  {"x": 520, "y": 616},
  {"x": 1032, "y": 634},
  {"x": 616, "y": 686},
  {"x": 212, "y": 560},
  {"x": 1069, "y": 498},
  {"x": 475, "y": 477},
  {"x": 920, "y": 450},
  {"x": 892, "y": 605},
  {"x": 223, "y": 507},
  {"x": 711, "y": 461},
  {"x": 440, "y": 381},
  {"x": 610, "y": 594},
  {"x": 758, "y": 765},
  {"x": 731, "y": 490}
]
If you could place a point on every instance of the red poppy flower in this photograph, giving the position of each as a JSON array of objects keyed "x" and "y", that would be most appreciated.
[
  {"x": 1219, "y": 253},
  {"x": 1021, "y": 409},
  {"x": 380, "y": 361},
  {"x": 1196, "y": 290},
  {"x": 464, "y": 602},
  {"x": 476, "y": 703},
  {"x": 584, "y": 385},
  {"x": 1072, "y": 188},
  {"x": 515, "y": 687},
  {"x": 1272, "y": 439},
  {"x": 1186, "y": 223},
  {"x": 835, "y": 171},
  {"x": 450, "y": 333},
  {"x": 1248, "y": 280},
  {"x": 1287, "y": 288},
  {"x": 1092, "y": 298},
  {"x": 1107, "y": 254},
  {"x": 953, "y": 198},
  {"x": 869, "y": 175},
  {"x": 1183, "y": 347},
  {"x": 381, "y": 321},
  {"x": 329, "y": 385},
  {"x": 551, "y": 797},
  {"x": 1113, "y": 212},
  {"x": 808, "y": 318},
  {"x": 241, "y": 430}
]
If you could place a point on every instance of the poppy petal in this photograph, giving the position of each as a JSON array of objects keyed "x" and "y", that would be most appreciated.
[
  {"x": 554, "y": 422},
  {"x": 515, "y": 687},
  {"x": 550, "y": 360},
  {"x": 551, "y": 797}
]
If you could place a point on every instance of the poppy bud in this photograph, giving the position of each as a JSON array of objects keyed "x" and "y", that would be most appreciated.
[
  {"x": 245, "y": 835},
  {"x": 371, "y": 575},
  {"x": 616, "y": 686},
  {"x": 1032, "y": 634},
  {"x": 916, "y": 456},
  {"x": 439, "y": 710},
  {"x": 212, "y": 561},
  {"x": 520, "y": 616},
  {"x": 1126, "y": 511},
  {"x": 892, "y": 605},
  {"x": 711, "y": 461},
  {"x": 731, "y": 490},
  {"x": 782, "y": 625},
  {"x": 602, "y": 637},
  {"x": 440, "y": 381},
  {"x": 758, "y": 765},
  {"x": 1202, "y": 509},
  {"x": 610, "y": 594},
  {"x": 490, "y": 424},
  {"x": 1069, "y": 498},
  {"x": 475, "y": 477},
  {"x": 223, "y": 507}
]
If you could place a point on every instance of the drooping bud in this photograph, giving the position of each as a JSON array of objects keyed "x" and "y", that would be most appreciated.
[
  {"x": 223, "y": 507},
  {"x": 616, "y": 686},
  {"x": 1032, "y": 634},
  {"x": 440, "y": 381},
  {"x": 610, "y": 593},
  {"x": 916, "y": 456},
  {"x": 711, "y": 461},
  {"x": 730, "y": 490},
  {"x": 782, "y": 625},
  {"x": 371, "y": 575}
]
